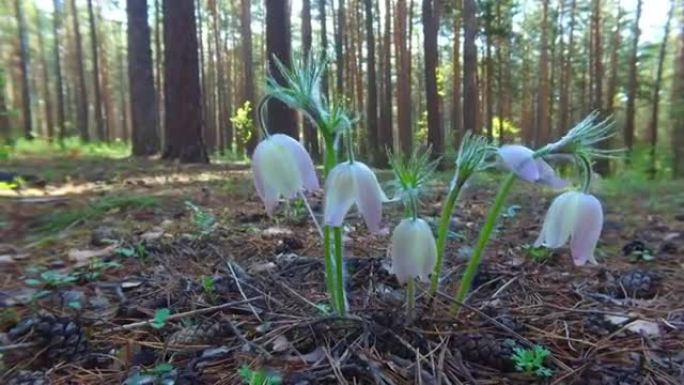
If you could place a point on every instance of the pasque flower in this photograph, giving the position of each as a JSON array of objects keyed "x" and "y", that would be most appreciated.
[
  {"x": 576, "y": 216},
  {"x": 349, "y": 183},
  {"x": 413, "y": 250},
  {"x": 520, "y": 160},
  {"x": 282, "y": 167}
]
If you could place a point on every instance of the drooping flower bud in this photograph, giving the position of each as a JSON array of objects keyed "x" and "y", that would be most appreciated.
[
  {"x": 520, "y": 160},
  {"x": 576, "y": 216},
  {"x": 282, "y": 167},
  {"x": 349, "y": 183},
  {"x": 413, "y": 250}
]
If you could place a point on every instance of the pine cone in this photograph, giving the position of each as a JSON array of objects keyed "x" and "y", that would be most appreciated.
[
  {"x": 25, "y": 377},
  {"x": 639, "y": 284},
  {"x": 196, "y": 334},
  {"x": 63, "y": 336},
  {"x": 485, "y": 350}
]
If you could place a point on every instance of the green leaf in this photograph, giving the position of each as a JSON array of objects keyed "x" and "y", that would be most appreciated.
[
  {"x": 127, "y": 252},
  {"x": 162, "y": 368},
  {"x": 33, "y": 282},
  {"x": 160, "y": 317}
]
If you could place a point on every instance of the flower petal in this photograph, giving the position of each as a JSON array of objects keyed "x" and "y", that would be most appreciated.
[
  {"x": 520, "y": 160},
  {"x": 339, "y": 194},
  {"x": 302, "y": 158},
  {"x": 413, "y": 250},
  {"x": 559, "y": 221},
  {"x": 266, "y": 192},
  {"x": 369, "y": 195},
  {"x": 548, "y": 176},
  {"x": 587, "y": 229}
]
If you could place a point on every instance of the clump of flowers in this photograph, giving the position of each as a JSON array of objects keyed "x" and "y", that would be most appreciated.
[{"x": 283, "y": 169}]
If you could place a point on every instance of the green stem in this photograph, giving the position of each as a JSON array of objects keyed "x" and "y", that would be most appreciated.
[
  {"x": 442, "y": 232},
  {"x": 483, "y": 240},
  {"x": 331, "y": 284},
  {"x": 411, "y": 298},
  {"x": 339, "y": 273}
]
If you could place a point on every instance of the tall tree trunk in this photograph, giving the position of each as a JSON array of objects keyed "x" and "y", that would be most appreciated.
[
  {"x": 124, "y": 100},
  {"x": 372, "y": 92},
  {"x": 403, "y": 78},
  {"x": 228, "y": 94},
  {"x": 340, "y": 39},
  {"x": 5, "y": 127},
  {"x": 223, "y": 123},
  {"x": 278, "y": 44},
  {"x": 471, "y": 102},
  {"x": 310, "y": 131},
  {"x": 324, "y": 43},
  {"x": 456, "y": 102},
  {"x": 614, "y": 63},
  {"x": 566, "y": 91},
  {"x": 47, "y": 95},
  {"x": 82, "y": 114},
  {"x": 385, "y": 136},
  {"x": 25, "y": 65},
  {"x": 159, "y": 68},
  {"x": 653, "y": 126},
  {"x": 489, "y": 72},
  {"x": 632, "y": 84},
  {"x": 430, "y": 14},
  {"x": 248, "y": 85},
  {"x": 597, "y": 88},
  {"x": 57, "y": 59},
  {"x": 677, "y": 105},
  {"x": 501, "y": 89},
  {"x": 205, "y": 90},
  {"x": 183, "y": 118},
  {"x": 542, "y": 112},
  {"x": 141, "y": 80},
  {"x": 100, "y": 128}
]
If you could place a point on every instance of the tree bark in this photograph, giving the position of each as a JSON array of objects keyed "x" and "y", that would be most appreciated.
[
  {"x": 248, "y": 85},
  {"x": 632, "y": 84},
  {"x": 310, "y": 131},
  {"x": 385, "y": 136},
  {"x": 541, "y": 118},
  {"x": 159, "y": 68},
  {"x": 57, "y": 59},
  {"x": 82, "y": 105},
  {"x": 372, "y": 90},
  {"x": 565, "y": 92},
  {"x": 489, "y": 72},
  {"x": 614, "y": 64},
  {"x": 100, "y": 128},
  {"x": 457, "y": 130},
  {"x": 278, "y": 41},
  {"x": 182, "y": 97},
  {"x": 47, "y": 95},
  {"x": 141, "y": 80},
  {"x": 653, "y": 126},
  {"x": 677, "y": 103},
  {"x": 430, "y": 15},
  {"x": 324, "y": 43},
  {"x": 223, "y": 122},
  {"x": 5, "y": 127},
  {"x": 471, "y": 102},
  {"x": 403, "y": 78},
  {"x": 24, "y": 61},
  {"x": 340, "y": 39}
]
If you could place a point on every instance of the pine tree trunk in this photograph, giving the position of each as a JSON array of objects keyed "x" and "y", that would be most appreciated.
[
  {"x": 82, "y": 106},
  {"x": 124, "y": 100},
  {"x": 457, "y": 130},
  {"x": 471, "y": 102},
  {"x": 5, "y": 127},
  {"x": 248, "y": 86},
  {"x": 159, "y": 68},
  {"x": 632, "y": 84},
  {"x": 340, "y": 39},
  {"x": 323, "y": 21},
  {"x": 385, "y": 137},
  {"x": 57, "y": 59},
  {"x": 141, "y": 81},
  {"x": 566, "y": 90},
  {"x": 100, "y": 128},
  {"x": 541, "y": 121},
  {"x": 25, "y": 65},
  {"x": 430, "y": 14},
  {"x": 309, "y": 129},
  {"x": 403, "y": 78},
  {"x": 489, "y": 72},
  {"x": 278, "y": 44},
  {"x": 372, "y": 90},
  {"x": 653, "y": 126},
  {"x": 182, "y": 95},
  {"x": 47, "y": 95},
  {"x": 614, "y": 64},
  {"x": 677, "y": 105}
]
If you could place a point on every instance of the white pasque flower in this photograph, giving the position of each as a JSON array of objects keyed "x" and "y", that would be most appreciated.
[
  {"x": 282, "y": 167},
  {"x": 521, "y": 161},
  {"x": 349, "y": 183},
  {"x": 413, "y": 250},
  {"x": 576, "y": 216}
]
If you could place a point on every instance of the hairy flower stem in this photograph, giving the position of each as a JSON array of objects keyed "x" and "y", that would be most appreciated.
[
  {"x": 339, "y": 273},
  {"x": 482, "y": 241},
  {"x": 442, "y": 232},
  {"x": 411, "y": 298}
]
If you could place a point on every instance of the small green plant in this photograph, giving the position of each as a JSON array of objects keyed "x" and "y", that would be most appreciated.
[
  {"x": 209, "y": 288},
  {"x": 258, "y": 377},
  {"x": 160, "y": 318},
  {"x": 531, "y": 361},
  {"x": 136, "y": 251},
  {"x": 53, "y": 279},
  {"x": 538, "y": 254},
  {"x": 204, "y": 221},
  {"x": 95, "y": 269}
]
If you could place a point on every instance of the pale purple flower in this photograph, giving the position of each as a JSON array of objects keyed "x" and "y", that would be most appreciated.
[
  {"x": 576, "y": 216},
  {"x": 520, "y": 160},
  {"x": 349, "y": 183},
  {"x": 282, "y": 167},
  {"x": 413, "y": 250}
]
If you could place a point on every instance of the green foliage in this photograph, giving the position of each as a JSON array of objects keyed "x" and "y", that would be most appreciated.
[
  {"x": 136, "y": 251},
  {"x": 510, "y": 130},
  {"x": 258, "y": 377},
  {"x": 243, "y": 124},
  {"x": 160, "y": 318},
  {"x": 531, "y": 361},
  {"x": 442, "y": 75},
  {"x": 421, "y": 132},
  {"x": 72, "y": 146},
  {"x": 209, "y": 288},
  {"x": 53, "y": 279},
  {"x": 204, "y": 221},
  {"x": 538, "y": 254},
  {"x": 61, "y": 219}
]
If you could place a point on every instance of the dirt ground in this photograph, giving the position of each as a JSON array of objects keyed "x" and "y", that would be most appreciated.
[{"x": 153, "y": 273}]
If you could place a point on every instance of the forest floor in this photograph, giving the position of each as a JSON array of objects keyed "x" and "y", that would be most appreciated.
[{"x": 143, "y": 272}]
